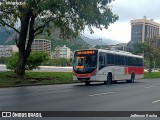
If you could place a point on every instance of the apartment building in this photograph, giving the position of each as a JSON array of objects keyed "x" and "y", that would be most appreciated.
[{"x": 42, "y": 45}]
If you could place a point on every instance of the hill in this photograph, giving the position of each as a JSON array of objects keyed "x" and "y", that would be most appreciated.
[
  {"x": 81, "y": 42},
  {"x": 4, "y": 35},
  {"x": 98, "y": 42},
  {"x": 73, "y": 44}
]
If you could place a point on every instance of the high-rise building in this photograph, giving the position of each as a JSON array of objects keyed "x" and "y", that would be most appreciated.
[
  {"x": 42, "y": 45},
  {"x": 143, "y": 29}
]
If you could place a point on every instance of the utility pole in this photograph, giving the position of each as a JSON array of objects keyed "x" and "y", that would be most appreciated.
[{"x": 100, "y": 39}]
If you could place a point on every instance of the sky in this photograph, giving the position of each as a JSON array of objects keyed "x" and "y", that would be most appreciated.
[{"x": 127, "y": 10}]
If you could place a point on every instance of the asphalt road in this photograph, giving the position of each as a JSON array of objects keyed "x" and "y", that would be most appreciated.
[{"x": 143, "y": 95}]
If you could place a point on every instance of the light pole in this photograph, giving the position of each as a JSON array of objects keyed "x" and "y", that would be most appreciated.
[{"x": 100, "y": 39}]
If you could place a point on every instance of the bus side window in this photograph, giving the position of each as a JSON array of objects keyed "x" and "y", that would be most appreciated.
[
  {"x": 141, "y": 62},
  {"x": 131, "y": 61},
  {"x": 126, "y": 60},
  {"x": 123, "y": 60},
  {"x": 110, "y": 59},
  {"x": 117, "y": 60},
  {"x": 101, "y": 61}
]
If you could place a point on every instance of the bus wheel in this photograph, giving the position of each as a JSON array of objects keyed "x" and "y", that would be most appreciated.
[
  {"x": 132, "y": 78},
  {"x": 105, "y": 82},
  {"x": 109, "y": 79},
  {"x": 87, "y": 82}
]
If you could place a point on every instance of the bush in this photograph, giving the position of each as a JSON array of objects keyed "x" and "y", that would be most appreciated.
[
  {"x": 12, "y": 61},
  {"x": 35, "y": 59},
  {"x": 60, "y": 62}
]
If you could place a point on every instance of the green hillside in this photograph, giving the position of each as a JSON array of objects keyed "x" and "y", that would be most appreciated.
[
  {"x": 4, "y": 35},
  {"x": 73, "y": 44}
]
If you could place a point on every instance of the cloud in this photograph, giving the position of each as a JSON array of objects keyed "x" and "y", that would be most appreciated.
[
  {"x": 119, "y": 31},
  {"x": 128, "y": 10},
  {"x": 136, "y": 9}
]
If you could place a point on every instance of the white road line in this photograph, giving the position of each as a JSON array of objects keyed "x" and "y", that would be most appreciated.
[
  {"x": 156, "y": 101},
  {"x": 149, "y": 86},
  {"x": 101, "y": 94}
]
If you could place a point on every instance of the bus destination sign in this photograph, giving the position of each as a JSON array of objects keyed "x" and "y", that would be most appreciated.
[{"x": 86, "y": 52}]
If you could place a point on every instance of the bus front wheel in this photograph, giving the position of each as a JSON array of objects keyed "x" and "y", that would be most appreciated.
[
  {"x": 87, "y": 82},
  {"x": 109, "y": 79}
]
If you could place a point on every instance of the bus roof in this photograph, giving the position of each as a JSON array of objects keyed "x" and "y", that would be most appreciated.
[{"x": 115, "y": 52}]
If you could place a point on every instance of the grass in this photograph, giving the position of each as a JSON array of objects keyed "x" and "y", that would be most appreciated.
[
  {"x": 148, "y": 75},
  {"x": 8, "y": 79}
]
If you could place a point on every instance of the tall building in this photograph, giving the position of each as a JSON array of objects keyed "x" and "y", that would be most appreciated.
[
  {"x": 143, "y": 29},
  {"x": 42, "y": 45}
]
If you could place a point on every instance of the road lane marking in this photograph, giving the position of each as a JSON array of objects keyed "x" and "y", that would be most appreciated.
[
  {"x": 149, "y": 86},
  {"x": 101, "y": 94},
  {"x": 156, "y": 101}
]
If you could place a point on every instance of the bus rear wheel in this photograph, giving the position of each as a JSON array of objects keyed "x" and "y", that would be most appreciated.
[{"x": 131, "y": 79}]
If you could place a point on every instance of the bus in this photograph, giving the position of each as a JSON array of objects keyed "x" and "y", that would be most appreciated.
[{"x": 98, "y": 65}]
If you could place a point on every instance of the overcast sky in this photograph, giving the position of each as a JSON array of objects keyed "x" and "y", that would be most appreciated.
[{"x": 128, "y": 10}]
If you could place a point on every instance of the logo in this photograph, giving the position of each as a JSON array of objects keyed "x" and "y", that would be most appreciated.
[{"x": 6, "y": 114}]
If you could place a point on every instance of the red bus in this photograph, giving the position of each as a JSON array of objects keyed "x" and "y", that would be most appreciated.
[{"x": 106, "y": 66}]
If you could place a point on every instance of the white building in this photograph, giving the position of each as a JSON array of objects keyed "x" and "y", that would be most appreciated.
[
  {"x": 6, "y": 50},
  {"x": 62, "y": 52},
  {"x": 120, "y": 46},
  {"x": 42, "y": 45}
]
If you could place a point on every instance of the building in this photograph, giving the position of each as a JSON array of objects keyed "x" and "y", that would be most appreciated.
[
  {"x": 6, "y": 50},
  {"x": 37, "y": 45},
  {"x": 62, "y": 52},
  {"x": 42, "y": 45},
  {"x": 120, "y": 46},
  {"x": 143, "y": 29}
]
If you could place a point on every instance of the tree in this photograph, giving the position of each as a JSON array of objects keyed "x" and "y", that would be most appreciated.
[
  {"x": 35, "y": 59},
  {"x": 35, "y": 16},
  {"x": 2, "y": 60},
  {"x": 151, "y": 52},
  {"x": 138, "y": 47}
]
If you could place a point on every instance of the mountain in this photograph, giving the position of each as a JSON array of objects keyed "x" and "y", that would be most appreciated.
[
  {"x": 81, "y": 42},
  {"x": 4, "y": 35},
  {"x": 98, "y": 41}
]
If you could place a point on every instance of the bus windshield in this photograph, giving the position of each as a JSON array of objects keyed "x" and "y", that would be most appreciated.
[{"x": 84, "y": 63}]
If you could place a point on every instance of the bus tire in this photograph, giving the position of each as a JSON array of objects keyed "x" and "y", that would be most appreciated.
[
  {"x": 114, "y": 82},
  {"x": 132, "y": 78},
  {"x": 87, "y": 82},
  {"x": 105, "y": 82},
  {"x": 109, "y": 78}
]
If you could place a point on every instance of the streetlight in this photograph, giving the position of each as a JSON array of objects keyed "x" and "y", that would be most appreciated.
[{"x": 100, "y": 39}]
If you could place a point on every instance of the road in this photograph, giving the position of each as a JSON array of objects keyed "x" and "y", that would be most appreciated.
[{"x": 143, "y": 95}]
